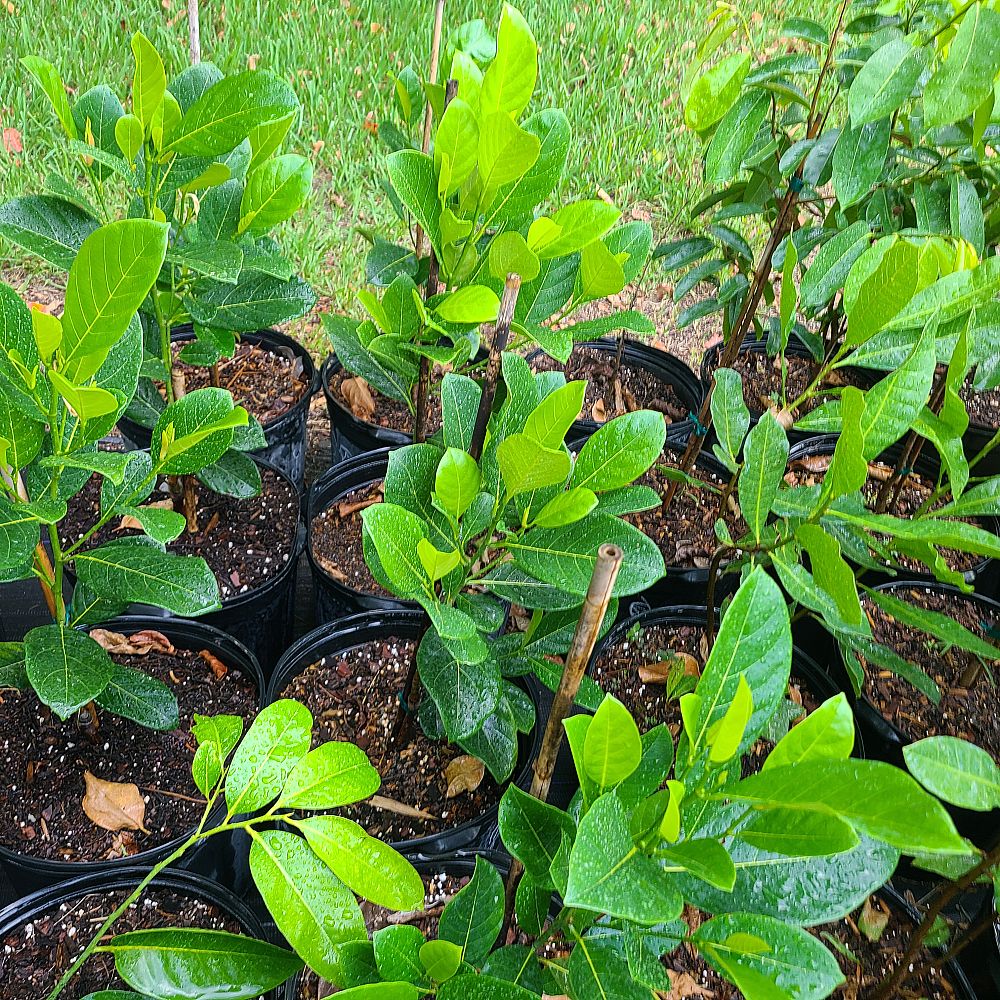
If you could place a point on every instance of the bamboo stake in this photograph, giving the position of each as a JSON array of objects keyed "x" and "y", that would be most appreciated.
[
  {"x": 429, "y": 111},
  {"x": 194, "y": 32},
  {"x": 595, "y": 606},
  {"x": 501, "y": 332}
]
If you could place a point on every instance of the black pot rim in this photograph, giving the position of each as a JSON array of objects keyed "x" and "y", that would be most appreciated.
[
  {"x": 358, "y": 628},
  {"x": 313, "y": 508},
  {"x": 235, "y": 655},
  {"x": 696, "y": 614},
  {"x": 825, "y": 444}
]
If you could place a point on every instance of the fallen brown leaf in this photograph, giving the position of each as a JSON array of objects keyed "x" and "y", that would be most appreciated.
[
  {"x": 463, "y": 774},
  {"x": 359, "y": 398},
  {"x": 599, "y": 412},
  {"x": 658, "y": 672},
  {"x": 401, "y": 808},
  {"x": 137, "y": 644},
  {"x": 252, "y": 60},
  {"x": 873, "y": 919},
  {"x": 114, "y": 805},
  {"x": 128, "y": 521},
  {"x": 218, "y": 667},
  {"x": 683, "y": 985}
]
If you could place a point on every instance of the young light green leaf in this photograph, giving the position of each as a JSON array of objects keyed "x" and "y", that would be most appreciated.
[
  {"x": 334, "y": 774},
  {"x": 612, "y": 749},
  {"x": 959, "y": 772}
]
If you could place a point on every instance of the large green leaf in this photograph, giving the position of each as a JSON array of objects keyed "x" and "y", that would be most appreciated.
[
  {"x": 715, "y": 91},
  {"x": 368, "y": 867},
  {"x": 526, "y": 465},
  {"x": 66, "y": 668},
  {"x": 174, "y": 963},
  {"x": 572, "y": 227},
  {"x": 509, "y": 81},
  {"x": 875, "y": 798},
  {"x": 965, "y": 77},
  {"x": 274, "y": 192},
  {"x": 765, "y": 458},
  {"x": 767, "y": 957},
  {"x": 457, "y": 139},
  {"x": 135, "y": 695},
  {"x": 195, "y": 431},
  {"x": 959, "y": 772},
  {"x": 48, "y": 78},
  {"x": 612, "y": 748},
  {"x": 858, "y": 159},
  {"x": 472, "y": 920},
  {"x": 256, "y": 302},
  {"x": 219, "y": 259},
  {"x": 396, "y": 533},
  {"x": 532, "y": 830},
  {"x": 620, "y": 451},
  {"x": 49, "y": 227},
  {"x": 227, "y": 112},
  {"x": 735, "y": 135},
  {"x": 608, "y": 874},
  {"x": 730, "y": 416},
  {"x": 149, "y": 82},
  {"x": 833, "y": 262},
  {"x": 334, "y": 774},
  {"x": 278, "y": 739},
  {"x": 886, "y": 80},
  {"x": 142, "y": 574},
  {"x": 19, "y": 534},
  {"x": 413, "y": 178}
]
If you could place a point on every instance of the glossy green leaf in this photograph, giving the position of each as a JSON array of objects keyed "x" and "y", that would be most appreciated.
[
  {"x": 829, "y": 268},
  {"x": 413, "y": 178},
  {"x": 959, "y": 772},
  {"x": 730, "y": 416},
  {"x": 532, "y": 830},
  {"x": 48, "y": 78},
  {"x": 66, "y": 668},
  {"x": 135, "y": 695},
  {"x": 149, "y": 82},
  {"x": 620, "y": 451},
  {"x": 735, "y": 135},
  {"x": 765, "y": 458},
  {"x": 826, "y": 733},
  {"x": 525, "y": 465},
  {"x": 456, "y": 481},
  {"x": 858, "y": 160},
  {"x": 613, "y": 748},
  {"x": 48, "y": 227},
  {"x": 886, "y": 80},
  {"x": 509, "y": 80},
  {"x": 715, "y": 91},
  {"x": 472, "y": 919},
  {"x": 395, "y": 533},
  {"x": 332, "y": 775},
  {"x": 798, "y": 834}
]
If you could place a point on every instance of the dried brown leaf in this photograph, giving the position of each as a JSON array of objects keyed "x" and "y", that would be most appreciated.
[
  {"x": 599, "y": 412},
  {"x": 114, "y": 805},
  {"x": 683, "y": 985},
  {"x": 218, "y": 667},
  {"x": 136, "y": 644},
  {"x": 463, "y": 774},
  {"x": 873, "y": 919},
  {"x": 128, "y": 521},
  {"x": 657, "y": 673},
  {"x": 401, "y": 808},
  {"x": 359, "y": 398}
]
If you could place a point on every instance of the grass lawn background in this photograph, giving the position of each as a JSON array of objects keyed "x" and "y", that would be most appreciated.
[{"x": 615, "y": 68}]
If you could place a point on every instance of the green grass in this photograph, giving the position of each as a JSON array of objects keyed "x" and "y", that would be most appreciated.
[{"x": 614, "y": 66}]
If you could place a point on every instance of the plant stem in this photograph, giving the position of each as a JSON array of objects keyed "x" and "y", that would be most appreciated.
[
  {"x": 595, "y": 606},
  {"x": 501, "y": 331},
  {"x": 887, "y": 988}
]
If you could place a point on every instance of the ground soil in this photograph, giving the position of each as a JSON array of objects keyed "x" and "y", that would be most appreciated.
[
  {"x": 353, "y": 696},
  {"x": 36, "y": 955},
  {"x": 969, "y": 713},
  {"x": 41, "y": 813},
  {"x": 440, "y": 887},
  {"x": 337, "y": 545},
  {"x": 266, "y": 382},
  {"x": 864, "y": 963},
  {"x": 811, "y": 469},
  {"x": 390, "y": 413},
  {"x": 762, "y": 381},
  {"x": 983, "y": 407},
  {"x": 637, "y": 389},
  {"x": 686, "y": 533},
  {"x": 245, "y": 542}
]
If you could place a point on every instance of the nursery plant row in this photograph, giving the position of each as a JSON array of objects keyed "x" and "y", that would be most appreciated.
[{"x": 626, "y": 681}]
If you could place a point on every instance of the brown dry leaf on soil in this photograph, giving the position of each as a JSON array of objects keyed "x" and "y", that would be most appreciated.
[
  {"x": 359, "y": 398},
  {"x": 114, "y": 805},
  {"x": 599, "y": 412},
  {"x": 463, "y": 774},
  {"x": 218, "y": 667},
  {"x": 683, "y": 985},
  {"x": 128, "y": 521},
  {"x": 137, "y": 644},
  {"x": 401, "y": 808},
  {"x": 873, "y": 919},
  {"x": 659, "y": 672}
]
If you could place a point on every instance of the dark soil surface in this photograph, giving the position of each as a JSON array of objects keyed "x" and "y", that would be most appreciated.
[
  {"x": 36, "y": 955},
  {"x": 245, "y": 542},
  {"x": 337, "y": 545},
  {"x": 686, "y": 533},
  {"x": 969, "y": 713},
  {"x": 44, "y": 761},
  {"x": 354, "y": 696},
  {"x": 390, "y": 413},
  {"x": 983, "y": 407},
  {"x": 637, "y": 389},
  {"x": 863, "y": 962},
  {"x": 916, "y": 489},
  {"x": 762, "y": 381},
  {"x": 267, "y": 383},
  {"x": 440, "y": 889}
]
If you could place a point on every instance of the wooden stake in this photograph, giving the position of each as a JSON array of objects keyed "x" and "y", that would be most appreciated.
[
  {"x": 194, "y": 32},
  {"x": 588, "y": 628},
  {"x": 429, "y": 111},
  {"x": 501, "y": 332}
]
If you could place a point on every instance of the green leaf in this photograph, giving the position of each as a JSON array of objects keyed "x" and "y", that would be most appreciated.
[
  {"x": 768, "y": 958},
  {"x": 531, "y": 904},
  {"x": 832, "y": 263},
  {"x": 965, "y": 76},
  {"x": 506, "y": 152},
  {"x": 456, "y": 482},
  {"x": 457, "y": 139},
  {"x": 108, "y": 281},
  {"x": 510, "y": 254},
  {"x": 18, "y": 534},
  {"x": 549, "y": 422},
  {"x": 715, "y": 91},
  {"x": 831, "y": 571},
  {"x": 395, "y": 533},
  {"x": 441, "y": 959},
  {"x": 469, "y": 304},
  {"x": 620, "y": 451},
  {"x": 481, "y": 988},
  {"x": 726, "y": 735},
  {"x": 413, "y": 178},
  {"x": 765, "y": 457},
  {"x": 274, "y": 192},
  {"x": 219, "y": 259},
  {"x": 196, "y": 430},
  {"x": 959, "y": 772},
  {"x": 612, "y": 749},
  {"x": 472, "y": 920},
  {"x": 735, "y": 135},
  {"x": 608, "y": 875},
  {"x": 278, "y": 739},
  {"x": 233, "y": 475},
  {"x": 875, "y": 798},
  {"x": 217, "y": 737},
  {"x": 149, "y": 82},
  {"x": 564, "y": 557},
  {"x": 532, "y": 831},
  {"x": 730, "y": 416},
  {"x": 798, "y": 834},
  {"x": 229, "y": 110},
  {"x": 858, "y": 159},
  {"x": 704, "y": 858},
  {"x": 135, "y": 695},
  {"x": 141, "y": 574},
  {"x": 381, "y": 991},
  {"x": 257, "y": 301},
  {"x": 525, "y": 465},
  {"x": 567, "y": 508},
  {"x": 334, "y": 774},
  {"x": 66, "y": 668},
  {"x": 509, "y": 80},
  {"x": 173, "y": 963},
  {"x": 460, "y": 403},
  {"x": 826, "y": 733},
  {"x": 48, "y": 227},
  {"x": 397, "y": 953},
  {"x": 313, "y": 909},
  {"x": 571, "y": 228},
  {"x": 48, "y": 78},
  {"x": 966, "y": 212},
  {"x": 886, "y": 80},
  {"x": 368, "y": 867}
]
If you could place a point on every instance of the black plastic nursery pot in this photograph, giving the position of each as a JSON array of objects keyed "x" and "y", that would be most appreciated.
[
  {"x": 795, "y": 349},
  {"x": 663, "y": 365},
  {"x": 335, "y": 599},
  {"x": 123, "y": 879},
  {"x": 983, "y": 575},
  {"x": 975, "y": 439},
  {"x": 222, "y": 858},
  {"x": 475, "y": 835},
  {"x": 286, "y": 435},
  {"x": 884, "y": 740}
]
